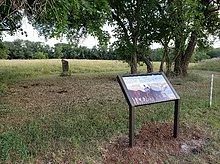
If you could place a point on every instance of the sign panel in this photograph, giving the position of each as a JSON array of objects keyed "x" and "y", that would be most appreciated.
[{"x": 141, "y": 89}]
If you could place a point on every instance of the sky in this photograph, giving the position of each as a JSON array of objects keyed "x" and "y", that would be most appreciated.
[
  {"x": 33, "y": 36},
  {"x": 88, "y": 42}
]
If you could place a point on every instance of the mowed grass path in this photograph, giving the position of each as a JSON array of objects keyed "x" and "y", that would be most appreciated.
[{"x": 48, "y": 118}]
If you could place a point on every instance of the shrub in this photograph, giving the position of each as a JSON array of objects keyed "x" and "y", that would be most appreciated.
[
  {"x": 214, "y": 53},
  {"x": 39, "y": 55}
]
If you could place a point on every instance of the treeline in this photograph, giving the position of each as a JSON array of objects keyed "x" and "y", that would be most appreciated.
[
  {"x": 24, "y": 49},
  {"x": 198, "y": 55}
]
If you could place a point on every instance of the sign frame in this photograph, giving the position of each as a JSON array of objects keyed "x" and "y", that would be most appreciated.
[{"x": 133, "y": 92}]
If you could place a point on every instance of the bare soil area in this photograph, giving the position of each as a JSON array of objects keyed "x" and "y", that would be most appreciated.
[
  {"x": 34, "y": 94},
  {"x": 154, "y": 143}
]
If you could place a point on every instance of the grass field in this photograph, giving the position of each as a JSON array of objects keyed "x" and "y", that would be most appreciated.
[{"x": 46, "y": 118}]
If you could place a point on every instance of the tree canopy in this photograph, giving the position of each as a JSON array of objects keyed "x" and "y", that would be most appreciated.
[
  {"x": 12, "y": 12},
  {"x": 73, "y": 19},
  {"x": 64, "y": 18}
]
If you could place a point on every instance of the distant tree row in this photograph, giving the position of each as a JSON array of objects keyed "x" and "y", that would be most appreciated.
[
  {"x": 24, "y": 49},
  {"x": 215, "y": 53},
  {"x": 198, "y": 55}
]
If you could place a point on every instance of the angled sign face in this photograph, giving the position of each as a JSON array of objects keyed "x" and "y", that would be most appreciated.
[{"x": 143, "y": 89}]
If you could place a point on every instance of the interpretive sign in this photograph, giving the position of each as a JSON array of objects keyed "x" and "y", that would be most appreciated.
[
  {"x": 141, "y": 89},
  {"x": 144, "y": 89}
]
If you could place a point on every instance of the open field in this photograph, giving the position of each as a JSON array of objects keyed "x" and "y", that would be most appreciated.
[{"x": 83, "y": 118}]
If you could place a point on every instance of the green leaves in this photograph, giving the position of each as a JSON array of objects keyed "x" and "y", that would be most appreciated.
[
  {"x": 3, "y": 51},
  {"x": 134, "y": 22},
  {"x": 10, "y": 18},
  {"x": 73, "y": 19}
]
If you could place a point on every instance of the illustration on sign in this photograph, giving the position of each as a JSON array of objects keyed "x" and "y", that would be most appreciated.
[{"x": 148, "y": 89}]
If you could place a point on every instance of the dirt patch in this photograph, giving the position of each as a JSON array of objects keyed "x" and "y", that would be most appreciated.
[
  {"x": 154, "y": 144},
  {"x": 37, "y": 98},
  {"x": 34, "y": 94}
]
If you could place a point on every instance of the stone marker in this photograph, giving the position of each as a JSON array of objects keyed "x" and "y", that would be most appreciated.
[{"x": 65, "y": 67}]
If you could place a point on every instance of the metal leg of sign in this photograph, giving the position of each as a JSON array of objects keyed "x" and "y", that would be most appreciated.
[
  {"x": 176, "y": 118},
  {"x": 131, "y": 126}
]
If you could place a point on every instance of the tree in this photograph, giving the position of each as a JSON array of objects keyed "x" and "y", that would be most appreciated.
[
  {"x": 156, "y": 54},
  {"x": 12, "y": 12},
  {"x": 179, "y": 26},
  {"x": 39, "y": 55},
  {"x": 3, "y": 51},
  {"x": 16, "y": 50},
  {"x": 63, "y": 50},
  {"x": 163, "y": 30},
  {"x": 10, "y": 18},
  {"x": 199, "y": 55},
  {"x": 133, "y": 21},
  {"x": 58, "y": 50},
  {"x": 214, "y": 53},
  {"x": 198, "y": 19},
  {"x": 24, "y": 49}
]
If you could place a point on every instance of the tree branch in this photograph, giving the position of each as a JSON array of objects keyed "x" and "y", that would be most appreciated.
[
  {"x": 1, "y": 30},
  {"x": 121, "y": 24}
]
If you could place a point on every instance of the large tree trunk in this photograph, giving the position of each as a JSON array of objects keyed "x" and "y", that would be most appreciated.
[
  {"x": 134, "y": 64},
  {"x": 177, "y": 65},
  {"x": 178, "y": 56},
  {"x": 169, "y": 69},
  {"x": 162, "y": 64},
  {"x": 134, "y": 56},
  {"x": 188, "y": 53},
  {"x": 183, "y": 59},
  {"x": 167, "y": 59},
  {"x": 148, "y": 64}
]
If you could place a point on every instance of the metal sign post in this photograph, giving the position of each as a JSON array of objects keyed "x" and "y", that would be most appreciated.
[
  {"x": 145, "y": 89},
  {"x": 176, "y": 118},
  {"x": 131, "y": 126}
]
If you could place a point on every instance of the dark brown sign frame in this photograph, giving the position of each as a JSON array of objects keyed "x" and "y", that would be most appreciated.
[{"x": 146, "y": 89}]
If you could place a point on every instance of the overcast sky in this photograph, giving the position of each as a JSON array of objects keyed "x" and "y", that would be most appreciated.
[
  {"x": 88, "y": 42},
  {"x": 33, "y": 36}
]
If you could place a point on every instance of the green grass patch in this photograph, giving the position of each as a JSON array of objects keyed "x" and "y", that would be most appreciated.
[
  {"x": 46, "y": 118},
  {"x": 208, "y": 65}
]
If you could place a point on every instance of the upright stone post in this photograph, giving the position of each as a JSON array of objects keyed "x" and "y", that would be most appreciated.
[{"x": 65, "y": 67}]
